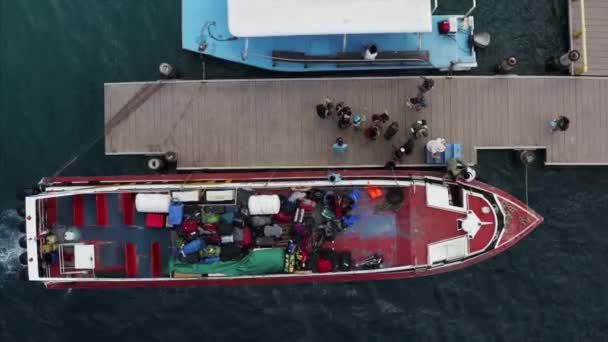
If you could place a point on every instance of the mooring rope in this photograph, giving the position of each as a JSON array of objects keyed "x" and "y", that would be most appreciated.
[{"x": 85, "y": 149}]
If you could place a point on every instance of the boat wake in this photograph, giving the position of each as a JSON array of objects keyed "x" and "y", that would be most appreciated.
[{"x": 9, "y": 245}]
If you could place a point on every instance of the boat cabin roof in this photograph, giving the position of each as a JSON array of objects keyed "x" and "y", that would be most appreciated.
[{"x": 266, "y": 18}]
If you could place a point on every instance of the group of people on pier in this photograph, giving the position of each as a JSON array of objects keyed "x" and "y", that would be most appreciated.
[{"x": 379, "y": 126}]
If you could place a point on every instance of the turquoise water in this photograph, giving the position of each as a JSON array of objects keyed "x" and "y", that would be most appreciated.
[{"x": 55, "y": 56}]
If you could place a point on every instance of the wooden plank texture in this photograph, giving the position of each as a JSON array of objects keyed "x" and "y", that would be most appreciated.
[
  {"x": 596, "y": 27},
  {"x": 272, "y": 123}
]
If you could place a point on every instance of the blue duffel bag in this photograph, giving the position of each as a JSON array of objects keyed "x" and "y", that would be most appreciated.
[{"x": 176, "y": 213}]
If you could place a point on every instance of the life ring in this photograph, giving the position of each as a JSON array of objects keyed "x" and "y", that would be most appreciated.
[{"x": 23, "y": 258}]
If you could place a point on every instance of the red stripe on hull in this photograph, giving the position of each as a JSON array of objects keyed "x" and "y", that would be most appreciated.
[
  {"x": 101, "y": 201},
  {"x": 127, "y": 204},
  {"x": 78, "y": 205},
  {"x": 51, "y": 211}
]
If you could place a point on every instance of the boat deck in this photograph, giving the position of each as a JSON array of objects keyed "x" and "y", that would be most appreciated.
[
  {"x": 589, "y": 34},
  {"x": 243, "y": 124},
  {"x": 205, "y": 29}
]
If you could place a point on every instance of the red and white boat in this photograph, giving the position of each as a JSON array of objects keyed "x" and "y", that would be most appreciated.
[{"x": 112, "y": 232}]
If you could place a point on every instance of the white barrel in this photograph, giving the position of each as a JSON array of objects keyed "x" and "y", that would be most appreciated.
[
  {"x": 264, "y": 205},
  {"x": 152, "y": 203}
]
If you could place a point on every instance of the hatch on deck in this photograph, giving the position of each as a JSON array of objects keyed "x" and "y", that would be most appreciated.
[{"x": 448, "y": 250}]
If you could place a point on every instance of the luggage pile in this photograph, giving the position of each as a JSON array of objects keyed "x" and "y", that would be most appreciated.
[{"x": 301, "y": 222}]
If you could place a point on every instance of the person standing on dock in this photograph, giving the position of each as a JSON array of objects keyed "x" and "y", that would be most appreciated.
[
  {"x": 391, "y": 130},
  {"x": 339, "y": 146},
  {"x": 325, "y": 109},
  {"x": 420, "y": 129},
  {"x": 380, "y": 119},
  {"x": 455, "y": 168},
  {"x": 426, "y": 85},
  {"x": 561, "y": 123},
  {"x": 417, "y": 103},
  {"x": 403, "y": 150},
  {"x": 372, "y": 132},
  {"x": 345, "y": 120},
  {"x": 358, "y": 121}
]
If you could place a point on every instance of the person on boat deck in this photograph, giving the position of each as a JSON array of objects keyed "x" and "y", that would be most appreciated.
[
  {"x": 561, "y": 123},
  {"x": 372, "y": 132},
  {"x": 380, "y": 119},
  {"x": 426, "y": 85},
  {"x": 345, "y": 115},
  {"x": 391, "y": 130},
  {"x": 334, "y": 177},
  {"x": 417, "y": 103},
  {"x": 325, "y": 109},
  {"x": 370, "y": 53},
  {"x": 339, "y": 147},
  {"x": 436, "y": 147},
  {"x": 420, "y": 129}
]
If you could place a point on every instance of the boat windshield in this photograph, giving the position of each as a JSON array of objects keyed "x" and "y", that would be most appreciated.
[{"x": 266, "y": 18}]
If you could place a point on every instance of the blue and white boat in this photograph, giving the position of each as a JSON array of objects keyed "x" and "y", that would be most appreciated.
[{"x": 329, "y": 35}]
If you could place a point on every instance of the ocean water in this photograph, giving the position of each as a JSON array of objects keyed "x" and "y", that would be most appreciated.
[{"x": 55, "y": 56}]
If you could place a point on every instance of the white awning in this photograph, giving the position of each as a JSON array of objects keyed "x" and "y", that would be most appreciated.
[{"x": 265, "y": 18}]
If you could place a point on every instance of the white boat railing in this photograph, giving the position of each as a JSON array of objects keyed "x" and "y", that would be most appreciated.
[
  {"x": 434, "y": 6},
  {"x": 472, "y": 8}
]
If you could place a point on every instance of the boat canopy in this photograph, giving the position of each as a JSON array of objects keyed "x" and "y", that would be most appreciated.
[{"x": 266, "y": 18}]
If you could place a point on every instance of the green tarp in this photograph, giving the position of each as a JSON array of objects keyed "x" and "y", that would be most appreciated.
[{"x": 265, "y": 261}]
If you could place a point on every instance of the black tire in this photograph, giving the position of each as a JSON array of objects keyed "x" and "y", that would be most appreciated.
[
  {"x": 527, "y": 157},
  {"x": 21, "y": 227},
  {"x": 21, "y": 210},
  {"x": 171, "y": 157},
  {"x": 23, "y": 258},
  {"x": 155, "y": 164},
  {"x": 23, "y": 242}
]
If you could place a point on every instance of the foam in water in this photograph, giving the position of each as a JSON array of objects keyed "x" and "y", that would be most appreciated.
[{"x": 9, "y": 243}]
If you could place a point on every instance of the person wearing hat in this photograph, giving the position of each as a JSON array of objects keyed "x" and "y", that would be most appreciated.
[{"x": 358, "y": 121}]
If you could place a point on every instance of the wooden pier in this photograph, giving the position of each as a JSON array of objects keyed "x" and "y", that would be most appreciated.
[
  {"x": 589, "y": 35},
  {"x": 272, "y": 123}
]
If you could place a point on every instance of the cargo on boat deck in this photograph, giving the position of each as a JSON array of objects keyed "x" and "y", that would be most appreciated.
[{"x": 283, "y": 220}]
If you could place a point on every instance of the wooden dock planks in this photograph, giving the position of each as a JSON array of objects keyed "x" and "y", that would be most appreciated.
[
  {"x": 596, "y": 34},
  {"x": 273, "y": 124}
]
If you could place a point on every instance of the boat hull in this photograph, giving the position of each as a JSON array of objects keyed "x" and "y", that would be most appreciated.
[{"x": 501, "y": 242}]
